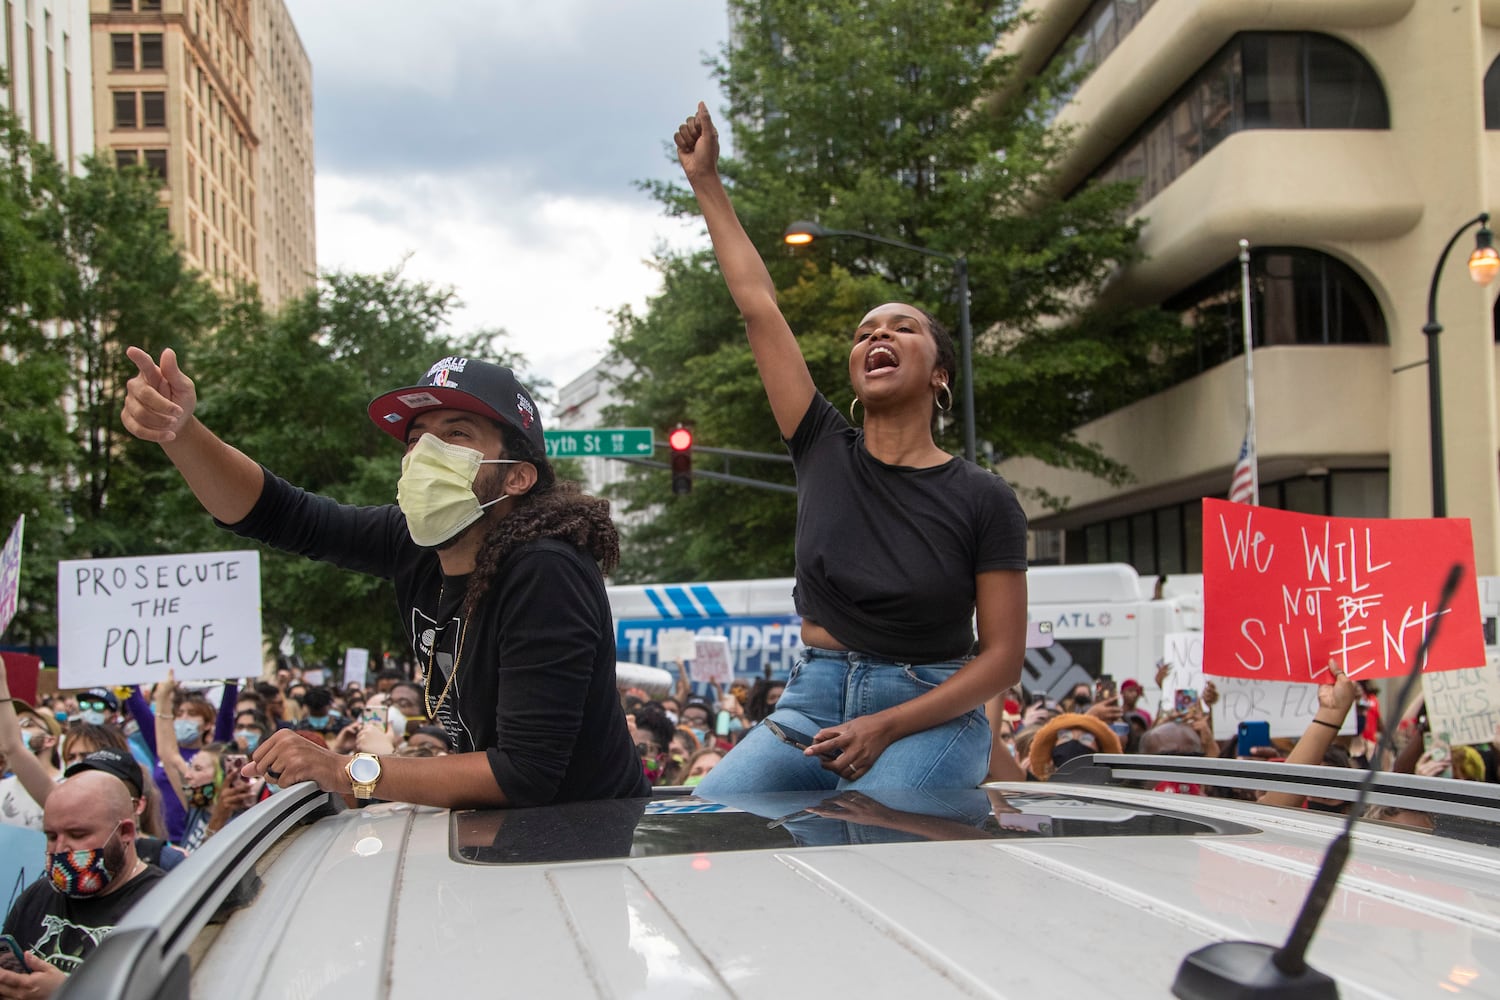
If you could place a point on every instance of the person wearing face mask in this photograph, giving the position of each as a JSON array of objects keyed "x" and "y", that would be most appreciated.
[
  {"x": 318, "y": 715},
  {"x": 93, "y": 876},
  {"x": 1065, "y": 737},
  {"x": 498, "y": 572}
]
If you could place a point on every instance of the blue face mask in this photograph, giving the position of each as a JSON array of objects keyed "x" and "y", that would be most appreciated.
[
  {"x": 92, "y": 717},
  {"x": 318, "y": 721},
  {"x": 249, "y": 737},
  {"x": 187, "y": 730}
]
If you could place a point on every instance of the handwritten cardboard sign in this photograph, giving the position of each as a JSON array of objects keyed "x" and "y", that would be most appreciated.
[
  {"x": 1286, "y": 706},
  {"x": 1465, "y": 704},
  {"x": 129, "y": 621},
  {"x": 711, "y": 660},
  {"x": 674, "y": 645},
  {"x": 1284, "y": 593},
  {"x": 10, "y": 573},
  {"x": 356, "y": 664}
]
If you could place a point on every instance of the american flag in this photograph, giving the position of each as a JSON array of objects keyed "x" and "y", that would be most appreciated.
[{"x": 1242, "y": 483}]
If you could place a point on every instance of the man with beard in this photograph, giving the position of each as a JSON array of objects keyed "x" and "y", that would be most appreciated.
[
  {"x": 498, "y": 570},
  {"x": 93, "y": 876}
]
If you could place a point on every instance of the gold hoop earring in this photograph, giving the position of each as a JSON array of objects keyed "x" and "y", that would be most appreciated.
[
  {"x": 937, "y": 400},
  {"x": 852, "y": 404}
]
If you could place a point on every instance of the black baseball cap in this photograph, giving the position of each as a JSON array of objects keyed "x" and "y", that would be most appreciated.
[
  {"x": 462, "y": 384},
  {"x": 121, "y": 765}
]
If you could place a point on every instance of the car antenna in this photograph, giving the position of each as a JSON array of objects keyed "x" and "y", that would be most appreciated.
[{"x": 1242, "y": 970}]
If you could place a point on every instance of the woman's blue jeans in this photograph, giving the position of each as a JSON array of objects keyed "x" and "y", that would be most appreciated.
[{"x": 827, "y": 687}]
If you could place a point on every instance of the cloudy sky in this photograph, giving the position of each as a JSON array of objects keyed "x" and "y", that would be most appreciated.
[{"x": 494, "y": 144}]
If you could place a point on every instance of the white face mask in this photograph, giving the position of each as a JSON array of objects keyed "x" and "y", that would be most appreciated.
[{"x": 436, "y": 491}]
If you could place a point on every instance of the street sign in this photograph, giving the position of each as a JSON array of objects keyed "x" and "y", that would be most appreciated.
[{"x": 603, "y": 442}]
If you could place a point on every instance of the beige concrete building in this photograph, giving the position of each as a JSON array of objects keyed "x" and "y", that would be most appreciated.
[
  {"x": 199, "y": 93},
  {"x": 1347, "y": 141},
  {"x": 284, "y": 122},
  {"x": 46, "y": 63}
]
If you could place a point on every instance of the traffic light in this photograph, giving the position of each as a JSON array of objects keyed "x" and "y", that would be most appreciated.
[{"x": 681, "y": 441}]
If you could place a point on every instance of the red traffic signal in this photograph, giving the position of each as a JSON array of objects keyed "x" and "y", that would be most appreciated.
[{"x": 681, "y": 442}]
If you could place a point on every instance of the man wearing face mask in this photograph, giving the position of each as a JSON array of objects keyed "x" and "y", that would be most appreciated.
[
  {"x": 498, "y": 570},
  {"x": 93, "y": 876}
]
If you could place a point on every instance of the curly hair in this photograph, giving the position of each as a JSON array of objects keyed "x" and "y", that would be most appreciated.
[{"x": 551, "y": 509}]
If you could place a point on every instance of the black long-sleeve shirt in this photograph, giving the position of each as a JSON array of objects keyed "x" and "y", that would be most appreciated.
[{"x": 535, "y": 675}]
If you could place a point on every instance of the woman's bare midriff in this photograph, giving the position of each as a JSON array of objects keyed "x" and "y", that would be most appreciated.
[{"x": 814, "y": 634}]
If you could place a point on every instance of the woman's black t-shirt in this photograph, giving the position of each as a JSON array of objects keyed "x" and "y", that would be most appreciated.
[{"x": 887, "y": 555}]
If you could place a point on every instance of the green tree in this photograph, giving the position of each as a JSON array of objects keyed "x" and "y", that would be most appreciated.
[
  {"x": 34, "y": 444},
  {"x": 126, "y": 284},
  {"x": 901, "y": 120}
]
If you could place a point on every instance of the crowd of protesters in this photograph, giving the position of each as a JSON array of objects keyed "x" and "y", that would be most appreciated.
[{"x": 169, "y": 760}]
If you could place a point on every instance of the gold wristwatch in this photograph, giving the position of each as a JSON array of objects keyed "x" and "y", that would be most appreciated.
[{"x": 364, "y": 772}]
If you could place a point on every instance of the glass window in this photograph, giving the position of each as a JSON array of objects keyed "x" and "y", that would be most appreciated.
[
  {"x": 1192, "y": 538},
  {"x": 156, "y": 160},
  {"x": 1360, "y": 493},
  {"x": 1169, "y": 540},
  {"x": 1119, "y": 541},
  {"x": 1097, "y": 541},
  {"x": 1306, "y": 495},
  {"x": 154, "y": 109},
  {"x": 1143, "y": 543},
  {"x": 122, "y": 48},
  {"x": 125, "y": 109},
  {"x": 1492, "y": 96},
  {"x": 150, "y": 5},
  {"x": 121, "y": 6},
  {"x": 125, "y": 158},
  {"x": 151, "y": 52},
  {"x": 1259, "y": 80}
]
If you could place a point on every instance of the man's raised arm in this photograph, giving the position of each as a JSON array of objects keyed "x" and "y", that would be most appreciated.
[{"x": 159, "y": 405}]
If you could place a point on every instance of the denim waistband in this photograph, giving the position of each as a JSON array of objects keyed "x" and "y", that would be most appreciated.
[{"x": 857, "y": 659}]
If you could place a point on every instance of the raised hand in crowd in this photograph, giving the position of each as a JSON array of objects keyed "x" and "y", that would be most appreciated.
[
  {"x": 1335, "y": 698},
  {"x": 1106, "y": 709}
]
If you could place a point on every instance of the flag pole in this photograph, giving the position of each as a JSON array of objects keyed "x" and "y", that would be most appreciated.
[{"x": 1254, "y": 454}]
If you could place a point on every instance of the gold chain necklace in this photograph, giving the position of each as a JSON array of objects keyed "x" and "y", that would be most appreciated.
[{"x": 458, "y": 655}]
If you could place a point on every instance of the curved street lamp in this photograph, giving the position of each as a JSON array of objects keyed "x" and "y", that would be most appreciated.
[
  {"x": 802, "y": 233},
  {"x": 1484, "y": 264}
]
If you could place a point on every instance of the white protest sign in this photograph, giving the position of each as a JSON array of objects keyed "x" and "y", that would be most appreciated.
[
  {"x": 129, "y": 621},
  {"x": 711, "y": 660},
  {"x": 10, "y": 574},
  {"x": 1465, "y": 704},
  {"x": 675, "y": 645},
  {"x": 1288, "y": 707},
  {"x": 356, "y": 663}
]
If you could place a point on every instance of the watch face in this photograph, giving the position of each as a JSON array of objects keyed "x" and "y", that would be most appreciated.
[{"x": 364, "y": 770}]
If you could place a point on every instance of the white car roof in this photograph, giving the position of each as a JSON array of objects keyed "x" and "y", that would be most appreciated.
[{"x": 1082, "y": 888}]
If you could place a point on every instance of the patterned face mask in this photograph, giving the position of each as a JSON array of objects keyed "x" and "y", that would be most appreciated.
[
  {"x": 85, "y": 873},
  {"x": 200, "y": 796}
]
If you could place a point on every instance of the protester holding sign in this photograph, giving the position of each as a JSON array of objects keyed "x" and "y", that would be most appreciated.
[
  {"x": 497, "y": 570},
  {"x": 898, "y": 544},
  {"x": 29, "y": 741}
]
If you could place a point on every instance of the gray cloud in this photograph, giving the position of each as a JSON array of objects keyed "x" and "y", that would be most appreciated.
[{"x": 575, "y": 98}]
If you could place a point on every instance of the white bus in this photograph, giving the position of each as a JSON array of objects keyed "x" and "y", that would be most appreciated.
[{"x": 1103, "y": 616}]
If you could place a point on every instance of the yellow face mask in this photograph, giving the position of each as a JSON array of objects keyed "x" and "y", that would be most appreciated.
[{"x": 436, "y": 490}]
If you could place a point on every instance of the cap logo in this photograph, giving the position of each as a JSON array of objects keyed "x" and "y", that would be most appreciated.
[
  {"x": 526, "y": 410},
  {"x": 437, "y": 374}
]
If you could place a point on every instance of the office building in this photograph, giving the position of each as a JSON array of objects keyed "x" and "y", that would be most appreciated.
[
  {"x": 47, "y": 69},
  {"x": 1347, "y": 141},
  {"x": 205, "y": 92}
]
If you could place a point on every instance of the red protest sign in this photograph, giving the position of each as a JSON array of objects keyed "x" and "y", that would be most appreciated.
[
  {"x": 21, "y": 670},
  {"x": 1284, "y": 593}
]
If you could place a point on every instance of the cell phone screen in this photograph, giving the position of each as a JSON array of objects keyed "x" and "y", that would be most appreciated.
[
  {"x": 377, "y": 716},
  {"x": 12, "y": 955}
]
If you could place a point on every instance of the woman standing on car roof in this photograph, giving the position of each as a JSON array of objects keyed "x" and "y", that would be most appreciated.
[{"x": 897, "y": 544}]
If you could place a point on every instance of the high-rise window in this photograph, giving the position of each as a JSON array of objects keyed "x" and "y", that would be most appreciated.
[
  {"x": 122, "y": 48},
  {"x": 1260, "y": 80},
  {"x": 154, "y": 109},
  {"x": 151, "y": 51},
  {"x": 125, "y": 158},
  {"x": 125, "y": 116},
  {"x": 156, "y": 162},
  {"x": 1296, "y": 297}
]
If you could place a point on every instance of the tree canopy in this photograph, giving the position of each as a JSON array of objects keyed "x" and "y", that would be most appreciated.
[{"x": 904, "y": 121}]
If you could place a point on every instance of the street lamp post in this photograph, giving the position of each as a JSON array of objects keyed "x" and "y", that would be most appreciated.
[
  {"x": 1484, "y": 262},
  {"x": 803, "y": 233}
]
